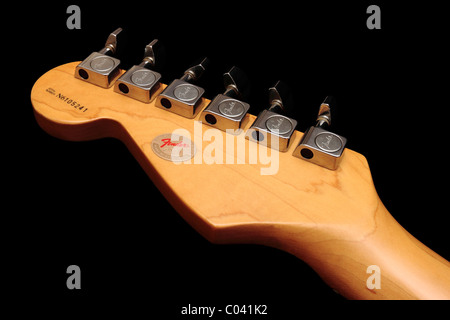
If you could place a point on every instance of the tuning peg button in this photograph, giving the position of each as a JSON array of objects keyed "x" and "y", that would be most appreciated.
[
  {"x": 320, "y": 146},
  {"x": 181, "y": 96},
  {"x": 226, "y": 111},
  {"x": 101, "y": 68},
  {"x": 140, "y": 82},
  {"x": 271, "y": 127}
]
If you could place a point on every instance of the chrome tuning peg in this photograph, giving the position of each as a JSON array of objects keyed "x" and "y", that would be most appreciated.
[
  {"x": 140, "y": 82},
  {"x": 181, "y": 96},
  {"x": 226, "y": 111},
  {"x": 320, "y": 146},
  {"x": 271, "y": 127},
  {"x": 101, "y": 68}
]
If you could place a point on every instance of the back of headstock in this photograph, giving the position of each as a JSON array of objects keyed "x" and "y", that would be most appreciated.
[
  {"x": 235, "y": 189},
  {"x": 285, "y": 190}
]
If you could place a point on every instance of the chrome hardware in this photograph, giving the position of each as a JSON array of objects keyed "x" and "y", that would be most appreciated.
[
  {"x": 320, "y": 146},
  {"x": 140, "y": 82},
  {"x": 271, "y": 128},
  {"x": 226, "y": 111},
  {"x": 182, "y": 97},
  {"x": 100, "y": 68}
]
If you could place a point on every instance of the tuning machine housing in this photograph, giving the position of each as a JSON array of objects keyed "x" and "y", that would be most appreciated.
[
  {"x": 101, "y": 68},
  {"x": 181, "y": 96},
  {"x": 271, "y": 125},
  {"x": 320, "y": 146},
  {"x": 225, "y": 111},
  {"x": 140, "y": 82}
]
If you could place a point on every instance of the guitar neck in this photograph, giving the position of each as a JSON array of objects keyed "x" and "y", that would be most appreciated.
[
  {"x": 332, "y": 220},
  {"x": 385, "y": 263}
]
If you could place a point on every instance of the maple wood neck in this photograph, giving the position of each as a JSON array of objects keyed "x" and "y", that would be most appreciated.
[
  {"x": 332, "y": 220},
  {"x": 407, "y": 268}
]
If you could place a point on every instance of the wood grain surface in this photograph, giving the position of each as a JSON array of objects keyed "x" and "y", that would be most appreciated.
[{"x": 332, "y": 220}]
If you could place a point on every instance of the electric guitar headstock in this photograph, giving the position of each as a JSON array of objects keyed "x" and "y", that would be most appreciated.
[{"x": 238, "y": 177}]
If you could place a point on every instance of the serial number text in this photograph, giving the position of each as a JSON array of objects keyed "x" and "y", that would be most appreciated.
[{"x": 71, "y": 102}]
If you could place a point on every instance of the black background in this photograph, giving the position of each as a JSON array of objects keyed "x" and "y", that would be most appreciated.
[{"x": 90, "y": 204}]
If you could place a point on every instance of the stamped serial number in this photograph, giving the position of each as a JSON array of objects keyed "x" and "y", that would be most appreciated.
[{"x": 71, "y": 102}]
